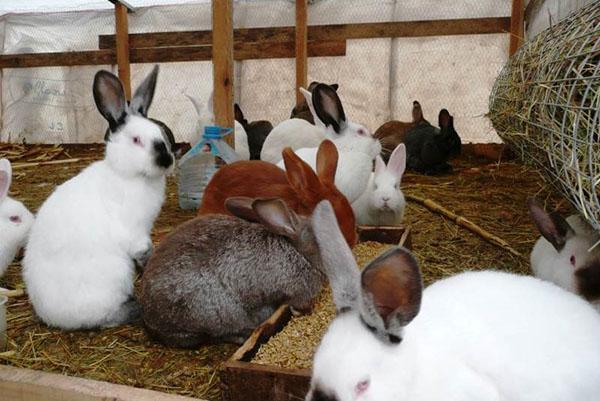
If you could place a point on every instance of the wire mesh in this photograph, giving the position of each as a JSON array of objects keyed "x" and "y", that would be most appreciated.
[
  {"x": 379, "y": 78},
  {"x": 546, "y": 104}
]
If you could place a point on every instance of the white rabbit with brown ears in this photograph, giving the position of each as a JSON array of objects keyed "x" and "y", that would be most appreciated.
[{"x": 476, "y": 336}]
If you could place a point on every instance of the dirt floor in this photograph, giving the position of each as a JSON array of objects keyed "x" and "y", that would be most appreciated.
[{"x": 491, "y": 195}]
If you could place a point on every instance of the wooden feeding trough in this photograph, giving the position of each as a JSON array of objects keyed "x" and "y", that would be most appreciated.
[{"x": 243, "y": 380}]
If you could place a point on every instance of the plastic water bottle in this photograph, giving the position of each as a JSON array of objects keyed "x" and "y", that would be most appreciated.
[{"x": 197, "y": 166}]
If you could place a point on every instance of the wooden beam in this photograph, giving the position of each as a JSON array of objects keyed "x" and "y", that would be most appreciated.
[
  {"x": 122, "y": 45},
  {"x": 517, "y": 22},
  {"x": 301, "y": 48},
  {"x": 243, "y": 51},
  {"x": 222, "y": 23},
  {"x": 465, "y": 26},
  {"x": 31, "y": 385}
]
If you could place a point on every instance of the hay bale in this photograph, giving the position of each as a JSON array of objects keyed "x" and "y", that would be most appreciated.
[{"x": 546, "y": 105}]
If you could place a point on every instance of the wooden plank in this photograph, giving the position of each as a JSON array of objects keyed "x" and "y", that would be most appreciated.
[
  {"x": 243, "y": 51},
  {"x": 385, "y": 235},
  {"x": 253, "y": 382},
  {"x": 463, "y": 26},
  {"x": 92, "y": 57},
  {"x": 266, "y": 330},
  {"x": 517, "y": 18},
  {"x": 30, "y": 385},
  {"x": 222, "y": 22},
  {"x": 301, "y": 49},
  {"x": 122, "y": 45}
]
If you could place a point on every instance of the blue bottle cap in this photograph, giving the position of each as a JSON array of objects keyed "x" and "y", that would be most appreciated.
[{"x": 212, "y": 132}]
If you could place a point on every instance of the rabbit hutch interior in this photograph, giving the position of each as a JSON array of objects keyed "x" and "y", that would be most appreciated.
[{"x": 299, "y": 199}]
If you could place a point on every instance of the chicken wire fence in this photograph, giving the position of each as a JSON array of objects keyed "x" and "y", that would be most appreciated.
[
  {"x": 546, "y": 105},
  {"x": 378, "y": 78}
]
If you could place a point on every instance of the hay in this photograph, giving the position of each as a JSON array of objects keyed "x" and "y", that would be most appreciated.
[
  {"x": 492, "y": 196},
  {"x": 546, "y": 105},
  {"x": 125, "y": 355}
]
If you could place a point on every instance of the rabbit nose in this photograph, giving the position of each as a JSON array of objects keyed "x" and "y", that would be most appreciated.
[{"x": 386, "y": 198}]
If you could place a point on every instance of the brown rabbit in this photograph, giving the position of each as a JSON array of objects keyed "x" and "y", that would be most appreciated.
[
  {"x": 299, "y": 186},
  {"x": 302, "y": 110},
  {"x": 392, "y": 133}
]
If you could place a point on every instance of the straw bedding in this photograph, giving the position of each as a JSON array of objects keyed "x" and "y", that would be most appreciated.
[{"x": 491, "y": 195}]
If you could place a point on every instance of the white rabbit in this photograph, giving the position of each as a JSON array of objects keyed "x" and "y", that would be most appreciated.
[
  {"x": 563, "y": 254},
  {"x": 295, "y": 133},
  {"x": 15, "y": 220},
  {"x": 477, "y": 336},
  {"x": 207, "y": 117},
  {"x": 356, "y": 146},
  {"x": 383, "y": 203},
  {"x": 330, "y": 123},
  {"x": 90, "y": 233}
]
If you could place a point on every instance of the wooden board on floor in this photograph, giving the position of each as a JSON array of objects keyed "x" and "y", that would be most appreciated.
[{"x": 30, "y": 385}]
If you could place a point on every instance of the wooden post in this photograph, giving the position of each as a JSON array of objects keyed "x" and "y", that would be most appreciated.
[
  {"x": 222, "y": 29},
  {"x": 122, "y": 45},
  {"x": 301, "y": 48},
  {"x": 516, "y": 26}
]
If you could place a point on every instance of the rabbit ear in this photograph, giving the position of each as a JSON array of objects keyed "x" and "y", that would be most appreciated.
[
  {"x": 239, "y": 116},
  {"x": 328, "y": 107},
  {"x": 444, "y": 119},
  {"x": 327, "y": 159},
  {"x": 5, "y": 178},
  {"x": 338, "y": 262},
  {"x": 552, "y": 226},
  {"x": 397, "y": 162},
  {"x": 392, "y": 289},
  {"x": 417, "y": 112},
  {"x": 110, "y": 99},
  {"x": 308, "y": 97},
  {"x": 277, "y": 217},
  {"x": 335, "y": 87},
  {"x": 241, "y": 206},
  {"x": 197, "y": 104},
  {"x": 300, "y": 175},
  {"x": 142, "y": 98},
  {"x": 379, "y": 165}
]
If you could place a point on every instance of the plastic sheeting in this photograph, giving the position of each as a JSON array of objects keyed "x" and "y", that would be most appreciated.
[{"x": 379, "y": 78}]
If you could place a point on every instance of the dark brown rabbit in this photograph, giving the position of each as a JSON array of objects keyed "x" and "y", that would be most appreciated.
[
  {"x": 392, "y": 133},
  {"x": 302, "y": 111}
]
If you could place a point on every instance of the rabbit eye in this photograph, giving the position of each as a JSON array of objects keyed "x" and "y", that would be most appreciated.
[
  {"x": 361, "y": 132},
  {"x": 362, "y": 386},
  {"x": 15, "y": 219},
  {"x": 375, "y": 187},
  {"x": 573, "y": 260},
  {"x": 137, "y": 140}
]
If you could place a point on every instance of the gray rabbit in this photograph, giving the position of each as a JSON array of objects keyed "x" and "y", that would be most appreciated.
[{"x": 217, "y": 277}]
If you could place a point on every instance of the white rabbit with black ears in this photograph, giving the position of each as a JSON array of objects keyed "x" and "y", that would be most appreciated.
[
  {"x": 356, "y": 146},
  {"x": 15, "y": 220},
  {"x": 383, "y": 203},
  {"x": 79, "y": 263},
  {"x": 477, "y": 336},
  {"x": 567, "y": 254}
]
